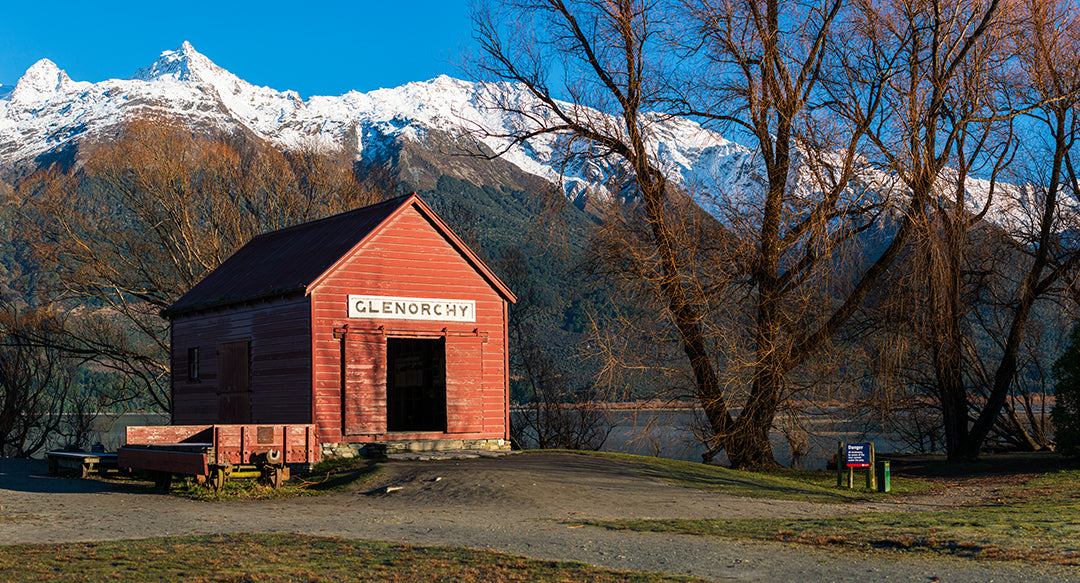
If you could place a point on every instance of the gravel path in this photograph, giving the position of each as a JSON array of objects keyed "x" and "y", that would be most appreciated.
[{"x": 517, "y": 504}]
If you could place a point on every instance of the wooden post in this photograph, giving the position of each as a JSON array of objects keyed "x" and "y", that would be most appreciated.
[
  {"x": 871, "y": 474},
  {"x": 840, "y": 463}
]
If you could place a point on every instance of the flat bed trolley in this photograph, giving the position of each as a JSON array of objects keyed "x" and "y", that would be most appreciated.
[
  {"x": 81, "y": 461},
  {"x": 215, "y": 453}
]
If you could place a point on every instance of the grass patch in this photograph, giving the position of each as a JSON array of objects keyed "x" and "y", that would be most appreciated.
[
  {"x": 16, "y": 517},
  {"x": 338, "y": 476},
  {"x": 286, "y": 557},
  {"x": 1039, "y": 521},
  {"x": 806, "y": 486}
]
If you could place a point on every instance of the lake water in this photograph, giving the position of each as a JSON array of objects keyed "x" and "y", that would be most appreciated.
[
  {"x": 109, "y": 430},
  {"x": 669, "y": 433},
  {"x": 664, "y": 433}
]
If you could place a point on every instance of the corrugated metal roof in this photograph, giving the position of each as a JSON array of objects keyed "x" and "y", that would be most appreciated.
[{"x": 284, "y": 261}]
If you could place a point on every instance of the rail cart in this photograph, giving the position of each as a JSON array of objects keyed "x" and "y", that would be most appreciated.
[{"x": 215, "y": 453}]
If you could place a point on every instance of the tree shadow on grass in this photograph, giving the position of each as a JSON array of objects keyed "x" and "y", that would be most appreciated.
[
  {"x": 746, "y": 484},
  {"x": 32, "y": 476}
]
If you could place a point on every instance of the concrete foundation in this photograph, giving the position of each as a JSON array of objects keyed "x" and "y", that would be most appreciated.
[{"x": 386, "y": 448}]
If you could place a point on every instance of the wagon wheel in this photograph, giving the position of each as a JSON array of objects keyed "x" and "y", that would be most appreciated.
[
  {"x": 54, "y": 465},
  {"x": 217, "y": 479},
  {"x": 163, "y": 480}
]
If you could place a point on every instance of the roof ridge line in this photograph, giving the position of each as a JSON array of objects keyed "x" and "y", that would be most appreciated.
[{"x": 337, "y": 216}]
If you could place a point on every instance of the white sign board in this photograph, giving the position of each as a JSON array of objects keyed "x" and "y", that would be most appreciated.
[{"x": 393, "y": 308}]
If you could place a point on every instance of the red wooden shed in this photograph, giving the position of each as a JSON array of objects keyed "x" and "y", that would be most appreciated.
[{"x": 376, "y": 325}]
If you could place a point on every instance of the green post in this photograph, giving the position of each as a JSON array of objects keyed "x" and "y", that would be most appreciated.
[
  {"x": 883, "y": 477},
  {"x": 871, "y": 475}
]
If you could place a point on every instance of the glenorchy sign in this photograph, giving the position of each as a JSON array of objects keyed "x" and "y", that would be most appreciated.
[{"x": 394, "y": 308}]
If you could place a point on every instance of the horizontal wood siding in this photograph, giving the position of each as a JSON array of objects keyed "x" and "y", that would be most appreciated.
[
  {"x": 464, "y": 384},
  {"x": 280, "y": 361},
  {"x": 365, "y": 384},
  {"x": 406, "y": 258},
  {"x": 148, "y": 434}
]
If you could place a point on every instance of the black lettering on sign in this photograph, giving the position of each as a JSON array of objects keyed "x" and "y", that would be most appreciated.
[{"x": 410, "y": 308}]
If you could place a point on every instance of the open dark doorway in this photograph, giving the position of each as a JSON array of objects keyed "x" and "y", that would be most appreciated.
[{"x": 415, "y": 384}]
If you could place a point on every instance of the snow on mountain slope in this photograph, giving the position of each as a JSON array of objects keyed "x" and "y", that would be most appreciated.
[{"x": 47, "y": 111}]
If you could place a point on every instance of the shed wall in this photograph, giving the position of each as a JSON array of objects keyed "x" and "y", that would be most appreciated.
[
  {"x": 407, "y": 257},
  {"x": 280, "y": 361}
]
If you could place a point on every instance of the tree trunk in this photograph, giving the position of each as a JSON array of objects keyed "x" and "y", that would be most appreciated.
[
  {"x": 686, "y": 317},
  {"x": 749, "y": 447},
  {"x": 948, "y": 350}
]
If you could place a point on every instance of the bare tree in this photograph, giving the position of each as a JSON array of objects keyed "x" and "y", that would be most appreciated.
[
  {"x": 1046, "y": 204},
  {"x": 957, "y": 125},
  {"x": 36, "y": 383},
  {"x": 933, "y": 61},
  {"x": 150, "y": 214},
  {"x": 780, "y": 253}
]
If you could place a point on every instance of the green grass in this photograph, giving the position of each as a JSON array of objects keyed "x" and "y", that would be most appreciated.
[
  {"x": 286, "y": 557},
  {"x": 334, "y": 476},
  {"x": 807, "y": 486},
  {"x": 338, "y": 475},
  {"x": 1039, "y": 521},
  {"x": 15, "y": 517}
]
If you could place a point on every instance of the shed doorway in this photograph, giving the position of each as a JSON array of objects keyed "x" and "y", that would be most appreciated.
[{"x": 416, "y": 384}]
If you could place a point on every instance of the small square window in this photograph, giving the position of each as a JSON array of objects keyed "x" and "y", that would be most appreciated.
[{"x": 193, "y": 364}]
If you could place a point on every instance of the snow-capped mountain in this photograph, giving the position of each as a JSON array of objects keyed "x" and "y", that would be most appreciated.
[
  {"x": 47, "y": 112},
  {"x": 424, "y": 129}
]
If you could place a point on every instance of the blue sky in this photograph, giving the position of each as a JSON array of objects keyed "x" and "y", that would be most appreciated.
[{"x": 315, "y": 48}]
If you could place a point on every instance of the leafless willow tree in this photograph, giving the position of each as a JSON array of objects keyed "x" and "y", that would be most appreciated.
[
  {"x": 940, "y": 67},
  {"x": 976, "y": 148},
  {"x": 959, "y": 125},
  {"x": 147, "y": 217},
  {"x": 754, "y": 292},
  {"x": 1045, "y": 202},
  {"x": 37, "y": 383}
]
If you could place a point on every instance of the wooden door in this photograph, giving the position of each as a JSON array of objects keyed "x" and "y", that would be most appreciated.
[
  {"x": 464, "y": 384},
  {"x": 363, "y": 391},
  {"x": 234, "y": 382}
]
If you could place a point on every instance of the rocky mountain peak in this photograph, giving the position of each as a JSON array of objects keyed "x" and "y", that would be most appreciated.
[
  {"x": 183, "y": 63},
  {"x": 40, "y": 81}
]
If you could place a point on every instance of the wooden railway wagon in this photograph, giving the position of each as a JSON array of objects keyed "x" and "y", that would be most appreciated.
[
  {"x": 378, "y": 326},
  {"x": 214, "y": 453}
]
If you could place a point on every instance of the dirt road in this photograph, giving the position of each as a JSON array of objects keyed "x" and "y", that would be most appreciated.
[{"x": 517, "y": 504}]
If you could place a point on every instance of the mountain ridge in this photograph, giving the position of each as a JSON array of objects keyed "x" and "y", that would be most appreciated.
[
  {"x": 47, "y": 112},
  {"x": 423, "y": 129}
]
